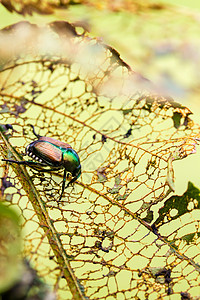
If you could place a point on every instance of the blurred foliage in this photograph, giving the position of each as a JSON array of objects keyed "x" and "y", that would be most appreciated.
[
  {"x": 27, "y": 286},
  {"x": 48, "y": 7},
  {"x": 121, "y": 231},
  {"x": 10, "y": 244}
]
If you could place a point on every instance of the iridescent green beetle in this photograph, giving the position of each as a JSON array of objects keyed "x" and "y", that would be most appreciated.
[{"x": 48, "y": 152}]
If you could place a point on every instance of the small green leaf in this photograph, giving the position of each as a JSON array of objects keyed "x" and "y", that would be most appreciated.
[{"x": 10, "y": 247}]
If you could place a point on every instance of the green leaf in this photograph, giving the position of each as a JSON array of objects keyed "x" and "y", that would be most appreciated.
[{"x": 10, "y": 248}]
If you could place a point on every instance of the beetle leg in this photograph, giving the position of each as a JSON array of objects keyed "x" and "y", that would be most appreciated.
[
  {"x": 37, "y": 135},
  {"x": 63, "y": 184},
  {"x": 31, "y": 164},
  {"x": 42, "y": 170},
  {"x": 22, "y": 162},
  {"x": 71, "y": 181}
]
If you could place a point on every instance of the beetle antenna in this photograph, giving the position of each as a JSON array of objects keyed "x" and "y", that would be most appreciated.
[{"x": 37, "y": 135}]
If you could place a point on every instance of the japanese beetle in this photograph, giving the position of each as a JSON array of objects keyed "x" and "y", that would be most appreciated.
[{"x": 48, "y": 152}]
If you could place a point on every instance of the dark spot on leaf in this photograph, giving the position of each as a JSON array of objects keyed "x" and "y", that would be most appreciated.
[
  {"x": 5, "y": 109},
  {"x": 149, "y": 217},
  {"x": 166, "y": 273},
  {"x": 34, "y": 84},
  {"x": 186, "y": 121},
  {"x": 51, "y": 68},
  {"x": 110, "y": 234},
  {"x": 117, "y": 180},
  {"x": 101, "y": 175},
  {"x": 122, "y": 197},
  {"x": 6, "y": 127},
  {"x": 185, "y": 296},
  {"x": 169, "y": 291},
  {"x": 98, "y": 244},
  {"x": 154, "y": 228},
  {"x": 19, "y": 109},
  {"x": 89, "y": 212},
  {"x": 116, "y": 186},
  {"x": 180, "y": 203},
  {"x": 177, "y": 119},
  {"x": 5, "y": 184},
  {"x": 103, "y": 138},
  {"x": 105, "y": 250},
  {"x": 126, "y": 111},
  {"x": 139, "y": 273},
  {"x": 128, "y": 133},
  {"x": 110, "y": 274},
  {"x": 189, "y": 237},
  {"x": 63, "y": 28}
]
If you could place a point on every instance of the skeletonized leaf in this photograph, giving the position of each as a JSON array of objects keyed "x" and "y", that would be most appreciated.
[{"x": 108, "y": 238}]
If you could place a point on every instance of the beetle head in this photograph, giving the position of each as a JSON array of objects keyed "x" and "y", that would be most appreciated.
[{"x": 77, "y": 172}]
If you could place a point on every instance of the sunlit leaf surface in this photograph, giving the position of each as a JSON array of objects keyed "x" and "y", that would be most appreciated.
[{"x": 119, "y": 231}]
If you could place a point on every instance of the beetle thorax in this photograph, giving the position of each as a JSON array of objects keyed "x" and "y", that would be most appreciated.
[{"x": 70, "y": 159}]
